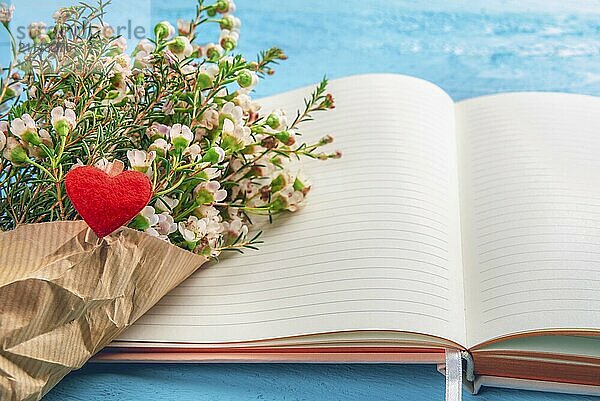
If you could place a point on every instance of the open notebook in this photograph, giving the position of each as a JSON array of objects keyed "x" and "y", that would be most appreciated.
[{"x": 471, "y": 225}]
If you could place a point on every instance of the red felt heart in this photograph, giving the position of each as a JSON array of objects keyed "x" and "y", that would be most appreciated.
[{"x": 107, "y": 202}]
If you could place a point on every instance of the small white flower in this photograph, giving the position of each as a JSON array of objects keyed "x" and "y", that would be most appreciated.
[
  {"x": 120, "y": 44},
  {"x": 235, "y": 136},
  {"x": 166, "y": 204},
  {"x": 157, "y": 130},
  {"x": 192, "y": 230},
  {"x": 165, "y": 225},
  {"x": 143, "y": 54},
  {"x": 231, "y": 22},
  {"x": 3, "y": 133},
  {"x": 184, "y": 27},
  {"x": 61, "y": 15},
  {"x": 102, "y": 164},
  {"x": 235, "y": 228},
  {"x": 15, "y": 152},
  {"x": 245, "y": 102},
  {"x": 150, "y": 215},
  {"x": 206, "y": 74},
  {"x": 210, "y": 192},
  {"x": 6, "y": 13},
  {"x": 229, "y": 39},
  {"x": 105, "y": 30},
  {"x": 233, "y": 112},
  {"x": 206, "y": 211},
  {"x": 160, "y": 146},
  {"x": 277, "y": 120},
  {"x": 181, "y": 136},
  {"x": 111, "y": 168},
  {"x": 210, "y": 119},
  {"x": 212, "y": 51},
  {"x": 119, "y": 70},
  {"x": 194, "y": 151},
  {"x": 212, "y": 70},
  {"x": 63, "y": 120},
  {"x": 36, "y": 29},
  {"x": 293, "y": 199},
  {"x": 141, "y": 161},
  {"x": 25, "y": 129},
  {"x": 181, "y": 47}
]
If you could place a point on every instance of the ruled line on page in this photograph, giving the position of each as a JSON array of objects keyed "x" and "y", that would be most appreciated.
[
  {"x": 312, "y": 293},
  {"x": 288, "y": 287},
  {"x": 596, "y": 244},
  {"x": 542, "y": 311},
  {"x": 547, "y": 289},
  {"x": 546, "y": 301},
  {"x": 367, "y": 230},
  {"x": 410, "y": 280},
  {"x": 297, "y": 317},
  {"x": 566, "y": 269},
  {"x": 371, "y": 221},
  {"x": 295, "y": 306}
]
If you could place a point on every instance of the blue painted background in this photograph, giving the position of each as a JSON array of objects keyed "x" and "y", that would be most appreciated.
[{"x": 468, "y": 48}]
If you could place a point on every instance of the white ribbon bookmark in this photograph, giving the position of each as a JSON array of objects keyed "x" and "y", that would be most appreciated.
[{"x": 453, "y": 375}]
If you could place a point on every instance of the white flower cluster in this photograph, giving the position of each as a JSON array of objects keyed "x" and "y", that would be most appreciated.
[
  {"x": 177, "y": 111},
  {"x": 23, "y": 139}
]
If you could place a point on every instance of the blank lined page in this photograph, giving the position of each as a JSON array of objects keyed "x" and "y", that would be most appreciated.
[
  {"x": 375, "y": 247},
  {"x": 530, "y": 184}
]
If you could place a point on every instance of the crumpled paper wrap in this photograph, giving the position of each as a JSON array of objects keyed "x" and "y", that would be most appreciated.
[{"x": 65, "y": 294}]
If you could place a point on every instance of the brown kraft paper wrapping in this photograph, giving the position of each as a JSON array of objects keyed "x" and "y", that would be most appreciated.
[{"x": 65, "y": 294}]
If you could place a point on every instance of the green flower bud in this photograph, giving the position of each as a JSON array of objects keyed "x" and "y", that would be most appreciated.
[
  {"x": 212, "y": 156},
  {"x": 226, "y": 23},
  {"x": 228, "y": 43},
  {"x": 279, "y": 204},
  {"x": 18, "y": 155},
  {"x": 231, "y": 144},
  {"x": 204, "y": 81},
  {"x": 113, "y": 94},
  {"x": 245, "y": 79},
  {"x": 177, "y": 45},
  {"x": 278, "y": 183},
  {"x": 31, "y": 137},
  {"x": 213, "y": 54},
  {"x": 62, "y": 127},
  {"x": 180, "y": 143},
  {"x": 162, "y": 30},
  {"x": 286, "y": 138},
  {"x": 222, "y": 6},
  {"x": 204, "y": 197},
  {"x": 211, "y": 12},
  {"x": 299, "y": 185},
  {"x": 273, "y": 121},
  {"x": 139, "y": 222}
]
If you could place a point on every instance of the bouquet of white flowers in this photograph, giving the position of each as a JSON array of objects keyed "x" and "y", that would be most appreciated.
[{"x": 76, "y": 110}]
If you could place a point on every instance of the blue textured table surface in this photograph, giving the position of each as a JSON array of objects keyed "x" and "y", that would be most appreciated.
[{"x": 468, "y": 50}]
